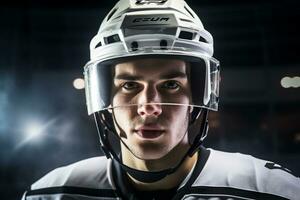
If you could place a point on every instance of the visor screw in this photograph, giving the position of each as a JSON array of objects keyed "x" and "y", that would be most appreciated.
[
  {"x": 134, "y": 46},
  {"x": 163, "y": 44}
]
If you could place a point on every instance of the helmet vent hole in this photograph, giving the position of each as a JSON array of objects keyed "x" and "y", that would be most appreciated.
[
  {"x": 163, "y": 44},
  {"x": 189, "y": 11},
  {"x": 98, "y": 45},
  {"x": 111, "y": 14},
  {"x": 186, "y": 35},
  {"x": 134, "y": 46},
  {"x": 112, "y": 39},
  {"x": 202, "y": 39}
]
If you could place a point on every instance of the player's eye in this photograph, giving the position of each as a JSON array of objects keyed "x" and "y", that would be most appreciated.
[
  {"x": 171, "y": 85},
  {"x": 130, "y": 85}
]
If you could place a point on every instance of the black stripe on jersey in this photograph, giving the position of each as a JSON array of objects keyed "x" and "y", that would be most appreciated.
[
  {"x": 229, "y": 192},
  {"x": 73, "y": 190}
]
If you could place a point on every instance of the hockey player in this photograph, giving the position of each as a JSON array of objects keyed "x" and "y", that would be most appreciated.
[{"x": 150, "y": 83}]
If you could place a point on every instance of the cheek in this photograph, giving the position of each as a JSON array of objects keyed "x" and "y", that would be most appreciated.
[
  {"x": 122, "y": 112},
  {"x": 123, "y": 116},
  {"x": 178, "y": 127},
  {"x": 178, "y": 117},
  {"x": 181, "y": 126}
]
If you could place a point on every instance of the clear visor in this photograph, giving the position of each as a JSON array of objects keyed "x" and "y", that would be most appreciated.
[{"x": 167, "y": 80}]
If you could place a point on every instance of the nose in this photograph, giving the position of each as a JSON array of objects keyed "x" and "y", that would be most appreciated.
[
  {"x": 148, "y": 102},
  {"x": 149, "y": 110}
]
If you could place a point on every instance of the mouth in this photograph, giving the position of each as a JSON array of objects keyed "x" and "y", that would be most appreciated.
[{"x": 149, "y": 133}]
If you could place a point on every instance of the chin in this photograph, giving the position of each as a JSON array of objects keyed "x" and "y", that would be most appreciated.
[
  {"x": 150, "y": 152},
  {"x": 149, "y": 157}
]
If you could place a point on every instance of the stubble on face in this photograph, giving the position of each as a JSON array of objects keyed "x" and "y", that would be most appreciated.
[{"x": 156, "y": 155}]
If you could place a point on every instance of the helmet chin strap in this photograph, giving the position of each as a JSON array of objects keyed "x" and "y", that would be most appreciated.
[{"x": 104, "y": 129}]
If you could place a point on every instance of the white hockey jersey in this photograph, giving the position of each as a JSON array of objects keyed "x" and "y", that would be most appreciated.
[{"x": 217, "y": 175}]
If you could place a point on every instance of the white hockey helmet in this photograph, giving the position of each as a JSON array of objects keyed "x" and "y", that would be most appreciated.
[{"x": 151, "y": 28}]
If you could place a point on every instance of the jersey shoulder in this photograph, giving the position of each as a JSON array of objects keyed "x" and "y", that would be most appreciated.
[
  {"x": 245, "y": 172},
  {"x": 88, "y": 173}
]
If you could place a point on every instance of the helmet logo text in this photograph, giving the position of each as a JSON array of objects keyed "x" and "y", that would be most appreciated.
[
  {"x": 150, "y": 19},
  {"x": 142, "y": 2}
]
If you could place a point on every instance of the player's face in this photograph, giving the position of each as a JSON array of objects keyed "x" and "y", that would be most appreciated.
[{"x": 149, "y": 129}]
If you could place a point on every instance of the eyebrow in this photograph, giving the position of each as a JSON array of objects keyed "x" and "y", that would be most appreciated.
[{"x": 171, "y": 75}]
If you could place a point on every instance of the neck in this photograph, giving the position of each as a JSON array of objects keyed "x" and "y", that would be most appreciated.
[{"x": 170, "y": 181}]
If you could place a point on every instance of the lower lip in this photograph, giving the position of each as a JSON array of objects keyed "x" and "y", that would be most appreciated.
[{"x": 149, "y": 134}]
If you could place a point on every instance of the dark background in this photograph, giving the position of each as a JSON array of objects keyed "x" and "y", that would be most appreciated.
[{"x": 45, "y": 44}]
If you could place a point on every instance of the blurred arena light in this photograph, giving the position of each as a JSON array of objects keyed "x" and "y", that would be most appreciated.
[
  {"x": 34, "y": 131},
  {"x": 78, "y": 83},
  {"x": 290, "y": 82}
]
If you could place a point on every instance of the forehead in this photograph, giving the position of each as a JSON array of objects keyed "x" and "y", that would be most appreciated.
[{"x": 151, "y": 67}]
